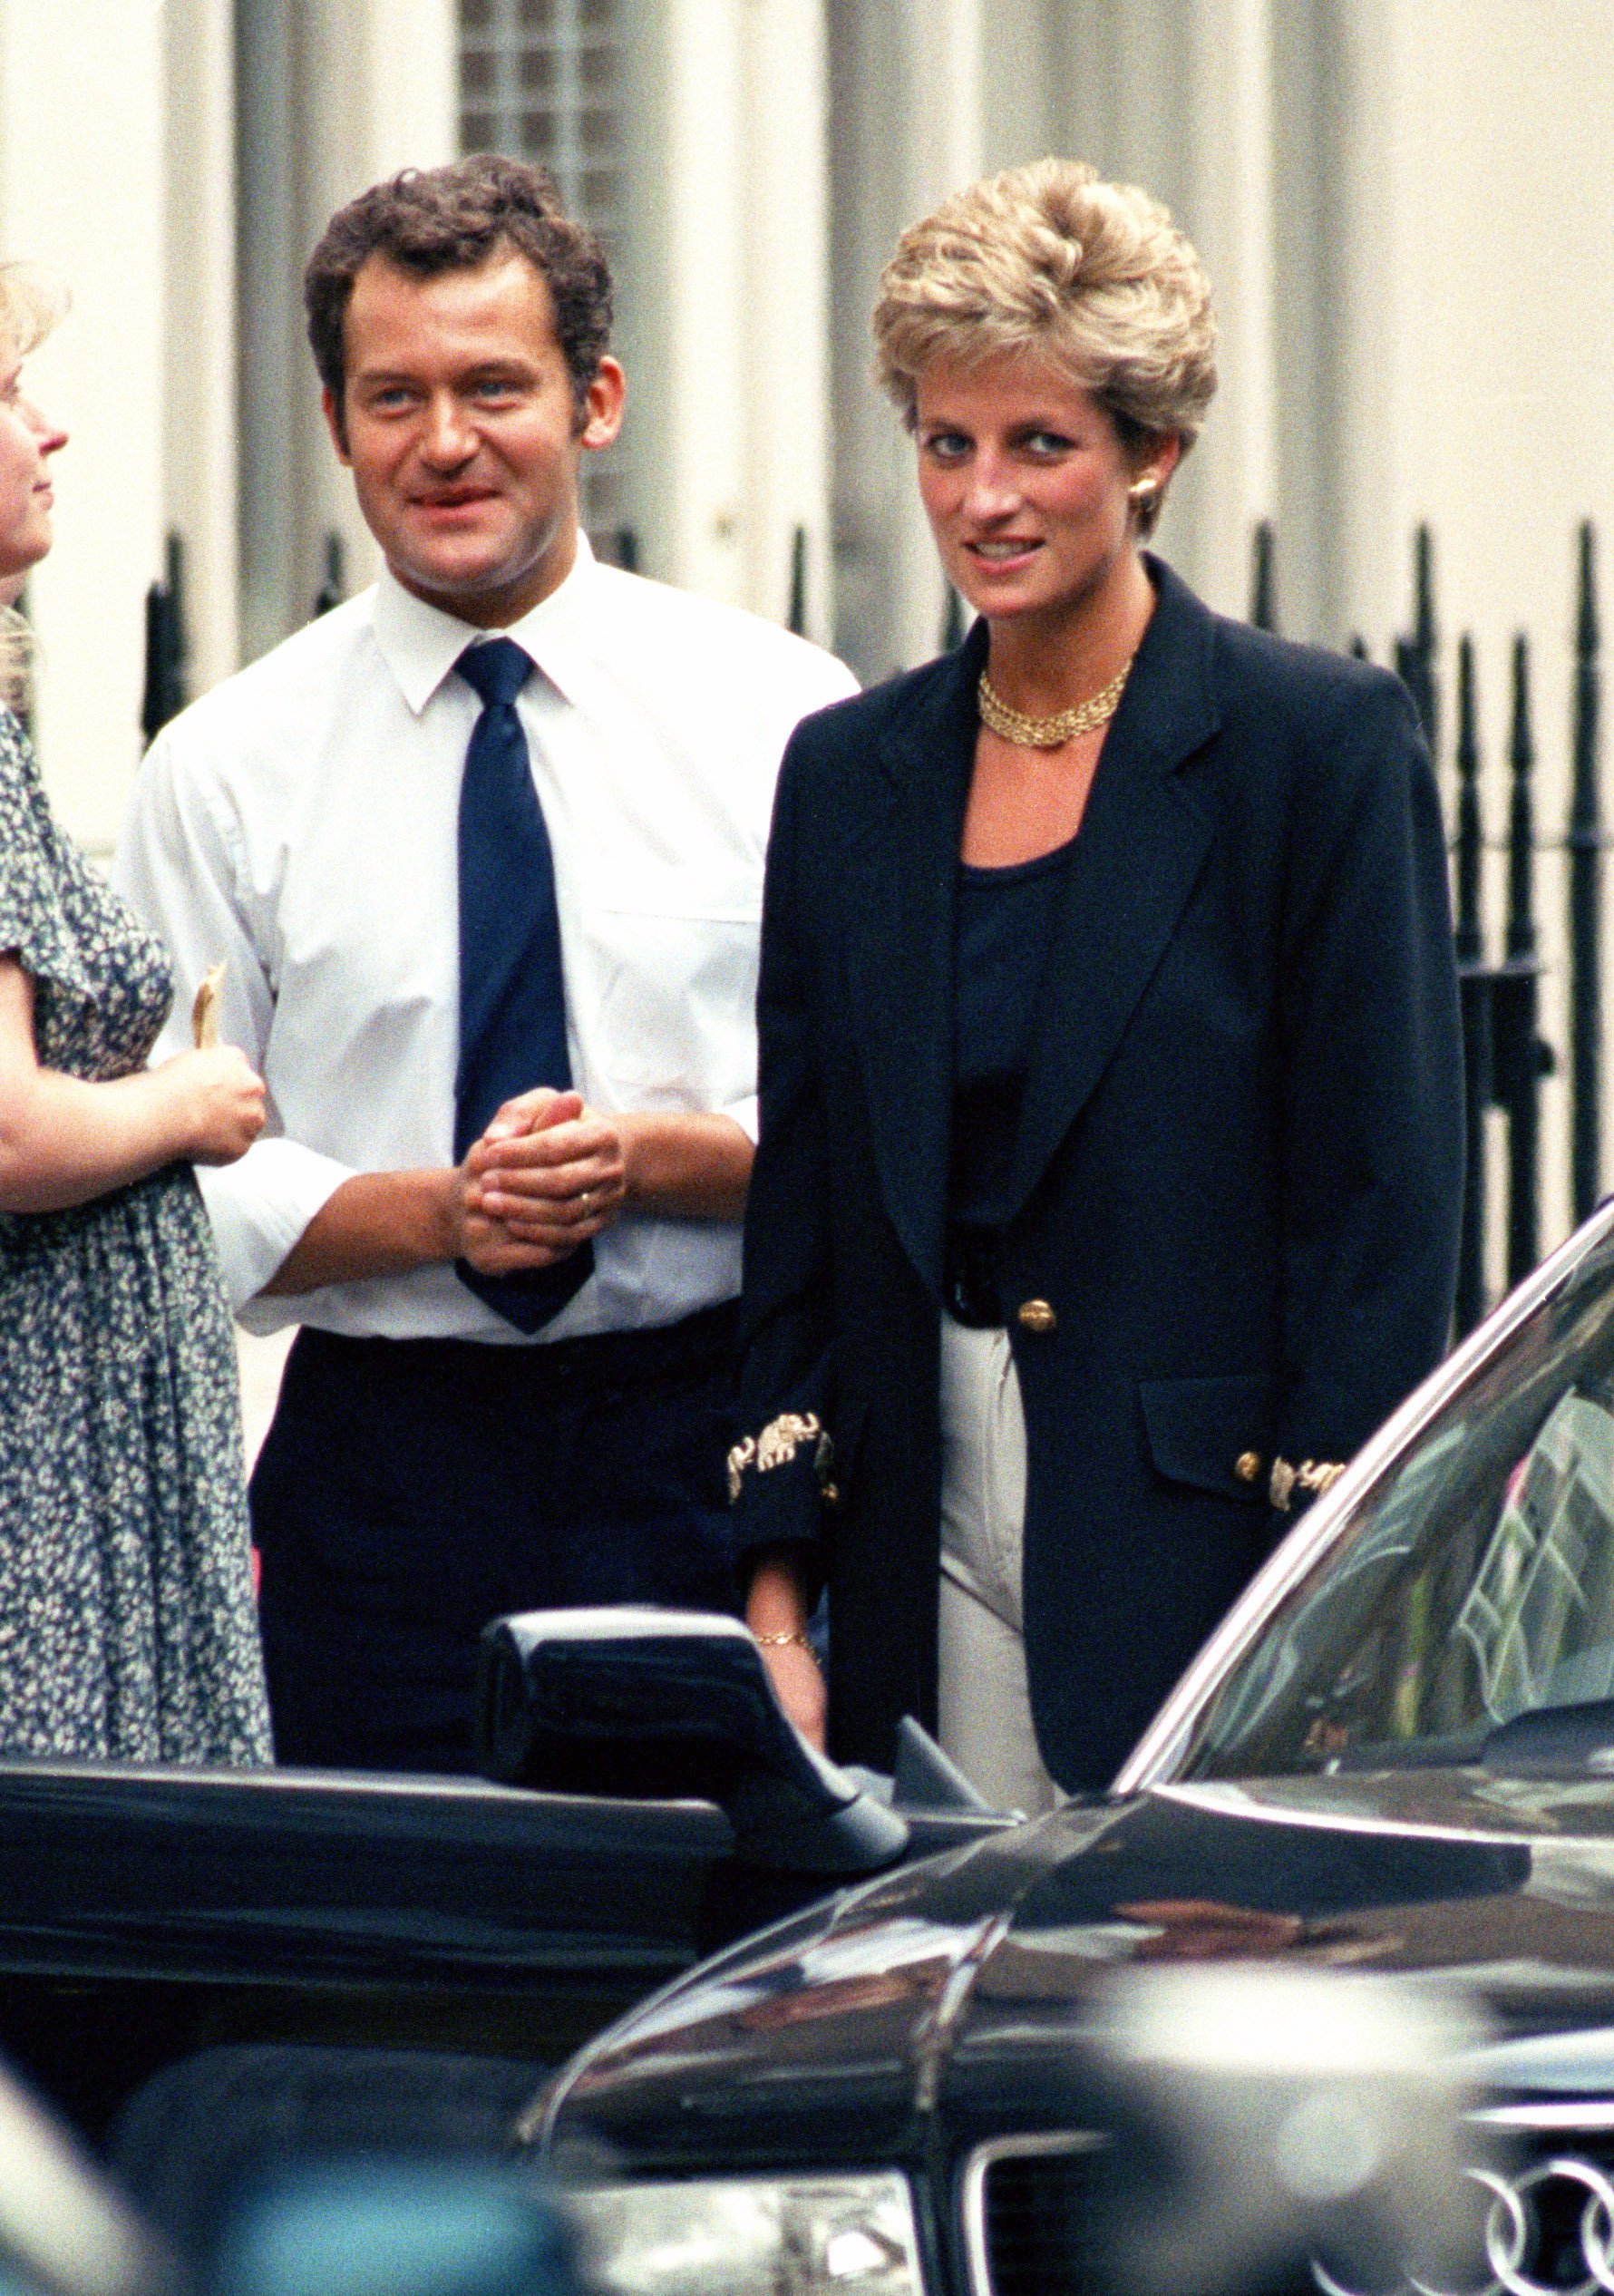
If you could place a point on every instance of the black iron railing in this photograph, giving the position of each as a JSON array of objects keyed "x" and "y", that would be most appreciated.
[
  {"x": 332, "y": 589},
  {"x": 1586, "y": 870},
  {"x": 1504, "y": 1055},
  {"x": 167, "y": 650}
]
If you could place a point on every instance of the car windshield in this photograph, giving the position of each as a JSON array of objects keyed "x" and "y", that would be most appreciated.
[{"x": 1474, "y": 1582}]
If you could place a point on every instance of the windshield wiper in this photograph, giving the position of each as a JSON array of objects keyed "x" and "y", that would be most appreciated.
[
  {"x": 1411, "y": 1754},
  {"x": 1552, "y": 1738}
]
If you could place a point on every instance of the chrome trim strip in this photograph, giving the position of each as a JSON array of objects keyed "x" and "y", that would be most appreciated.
[
  {"x": 972, "y": 2202},
  {"x": 393, "y": 1787},
  {"x": 1229, "y": 1798},
  {"x": 1163, "y": 1744},
  {"x": 1594, "y": 2116}
]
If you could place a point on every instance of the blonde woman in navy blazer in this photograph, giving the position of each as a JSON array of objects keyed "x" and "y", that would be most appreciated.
[{"x": 1111, "y": 1123}]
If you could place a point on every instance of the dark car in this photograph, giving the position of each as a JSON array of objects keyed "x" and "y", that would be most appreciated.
[
  {"x": 207, "y": 1970},
  {"x": 1395, "y": 1759}
]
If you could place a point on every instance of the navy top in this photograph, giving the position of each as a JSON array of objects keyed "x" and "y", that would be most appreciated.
[{"x": 1003, "y": 926}]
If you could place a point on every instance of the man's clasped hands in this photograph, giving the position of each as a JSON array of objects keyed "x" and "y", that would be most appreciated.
[{"x": 549, "y": 1173}]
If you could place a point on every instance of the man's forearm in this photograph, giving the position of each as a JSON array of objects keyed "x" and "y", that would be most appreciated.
[
  {"x": 384, "y": 1223},
  {"x": 685, "y": 1166},
  {"x": 378, "y": 1223}
]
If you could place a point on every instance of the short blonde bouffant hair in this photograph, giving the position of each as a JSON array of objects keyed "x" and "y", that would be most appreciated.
[{"x": 1094, "y": 276}]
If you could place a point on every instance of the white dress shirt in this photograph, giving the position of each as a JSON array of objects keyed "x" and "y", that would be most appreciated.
[{"x": 300, "y": 822}]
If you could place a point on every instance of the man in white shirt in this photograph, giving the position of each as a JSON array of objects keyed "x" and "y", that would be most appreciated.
[{"x": 441, "y": 1452}]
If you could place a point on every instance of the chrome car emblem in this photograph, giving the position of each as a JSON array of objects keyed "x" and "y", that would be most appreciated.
[
  {"x": 1518, "y": 2225},
  {"x": 1548, "y": 2230}
]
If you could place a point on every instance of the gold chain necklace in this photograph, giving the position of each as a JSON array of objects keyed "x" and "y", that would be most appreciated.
[{"x": 1048, "y": 732}]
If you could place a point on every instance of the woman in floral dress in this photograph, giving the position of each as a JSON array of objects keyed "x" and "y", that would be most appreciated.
[{"x": 127, "y": 1626}]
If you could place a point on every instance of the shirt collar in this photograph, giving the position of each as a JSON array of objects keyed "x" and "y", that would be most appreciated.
[{"x": 420, "y": 644}]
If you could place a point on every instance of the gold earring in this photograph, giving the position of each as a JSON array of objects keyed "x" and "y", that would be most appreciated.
[{"x": 1143, "y": 492}]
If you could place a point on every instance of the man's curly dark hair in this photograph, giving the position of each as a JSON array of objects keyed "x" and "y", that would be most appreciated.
[{"x": 453, "y": 218}]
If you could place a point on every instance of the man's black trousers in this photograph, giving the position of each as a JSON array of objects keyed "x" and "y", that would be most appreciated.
[{"x": 411, "y": 1490}]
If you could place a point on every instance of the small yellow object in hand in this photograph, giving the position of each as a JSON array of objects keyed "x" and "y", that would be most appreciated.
[{"x": 204, "y": 1012}]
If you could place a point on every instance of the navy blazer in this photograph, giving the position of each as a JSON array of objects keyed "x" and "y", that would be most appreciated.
[{"x": 1236, "y": 1185}]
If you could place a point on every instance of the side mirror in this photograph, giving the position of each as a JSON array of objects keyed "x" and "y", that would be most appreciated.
[{"x": 661, "y": 1704}]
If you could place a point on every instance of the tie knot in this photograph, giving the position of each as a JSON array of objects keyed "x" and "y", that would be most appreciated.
[{"x": 497, "y": 670}]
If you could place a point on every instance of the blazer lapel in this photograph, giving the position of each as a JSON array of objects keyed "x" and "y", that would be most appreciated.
[
  {"x": 900, "y": 900},
  {"x": 1141, "y": 844}
]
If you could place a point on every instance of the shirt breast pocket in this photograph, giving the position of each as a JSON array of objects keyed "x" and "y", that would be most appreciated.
[{"x": 666, "y": 1008}]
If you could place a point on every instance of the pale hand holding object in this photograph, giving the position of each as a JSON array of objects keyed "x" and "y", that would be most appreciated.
[{"x": 204, "y": 1011}]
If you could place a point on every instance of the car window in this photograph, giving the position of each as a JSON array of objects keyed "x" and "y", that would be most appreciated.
[{"x": 1474, "y": 1582}]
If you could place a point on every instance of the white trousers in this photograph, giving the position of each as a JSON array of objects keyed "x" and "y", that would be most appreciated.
[{"x": 984, "y": 1703}]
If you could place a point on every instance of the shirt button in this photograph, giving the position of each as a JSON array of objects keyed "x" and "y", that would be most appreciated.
[
  {"x": 1247, "y": 1466},
  {"x": 1036, "y": 1316}
]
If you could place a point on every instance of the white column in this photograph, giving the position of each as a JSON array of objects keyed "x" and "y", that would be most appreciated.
[
  {"x": 727, "y": 399},
  {"x": 378, "y": 81},
  {"x": 81, "y": 80},
  {"x": 907, "y": 130},
  {"x": 413, "y": 73},
  {"x": 1228, "y": 485},
  {"x": 200, "y": 464},
  {"x": 941, "y": 154},
  {"x": 1335, "y": 212},
  {"x": 704, "y": 329},
  {"x": 335, "y": 94},
  {"x": 785, "y": 345}
]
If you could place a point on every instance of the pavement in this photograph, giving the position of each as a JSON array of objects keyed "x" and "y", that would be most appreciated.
[{"x": 261, "y": 1362}]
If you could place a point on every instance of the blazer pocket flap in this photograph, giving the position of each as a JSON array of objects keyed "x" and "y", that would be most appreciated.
[{"x": 1213, "y": 1433}]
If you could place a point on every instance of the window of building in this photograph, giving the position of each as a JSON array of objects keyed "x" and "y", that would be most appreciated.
[{"x": 544, "y": 80}]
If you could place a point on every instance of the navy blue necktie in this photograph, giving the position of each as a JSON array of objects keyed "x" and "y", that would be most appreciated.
[{"x": 512, "y": 992}]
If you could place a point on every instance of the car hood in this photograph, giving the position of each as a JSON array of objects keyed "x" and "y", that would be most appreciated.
[{"x": 960, "y": 1989}]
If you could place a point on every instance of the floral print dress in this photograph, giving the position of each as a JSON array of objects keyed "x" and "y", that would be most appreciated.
[{"x": 127, "y": 1623}]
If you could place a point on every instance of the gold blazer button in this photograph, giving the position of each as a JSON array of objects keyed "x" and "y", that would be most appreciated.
[
  {"x": 1247, "y": 1466},
  {"x": 1036, "y": 1315}
]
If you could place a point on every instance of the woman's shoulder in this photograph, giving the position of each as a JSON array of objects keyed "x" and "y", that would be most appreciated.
[
  {"x": 1300, "y": 721},
  {"x": 1243, "y": 668},
  {"x": 1309, "y": 687},
  {"x": 866, "y": 717},
  {"x": 1318, "y": 739},
  {"x": 828, "y": 762}
]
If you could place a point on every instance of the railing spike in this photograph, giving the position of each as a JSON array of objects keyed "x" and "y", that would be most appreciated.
[
  {"x": 1263, "y": 580},
  {"x": 1470, "y": 935},
  {"x": 167, "y": 648},
  {"x": 796, "y": 619},
  {"x": 1475, "y": 984},
  {"x": 1519, "y": 1055},
  {"x": 1414, "y": 655},
  {"x": 1424, "y": 624},
  {"x": 334, "y": 589},
  {"x": 1521, "y": 926},
  {"x": 1585, "y": 848}
]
